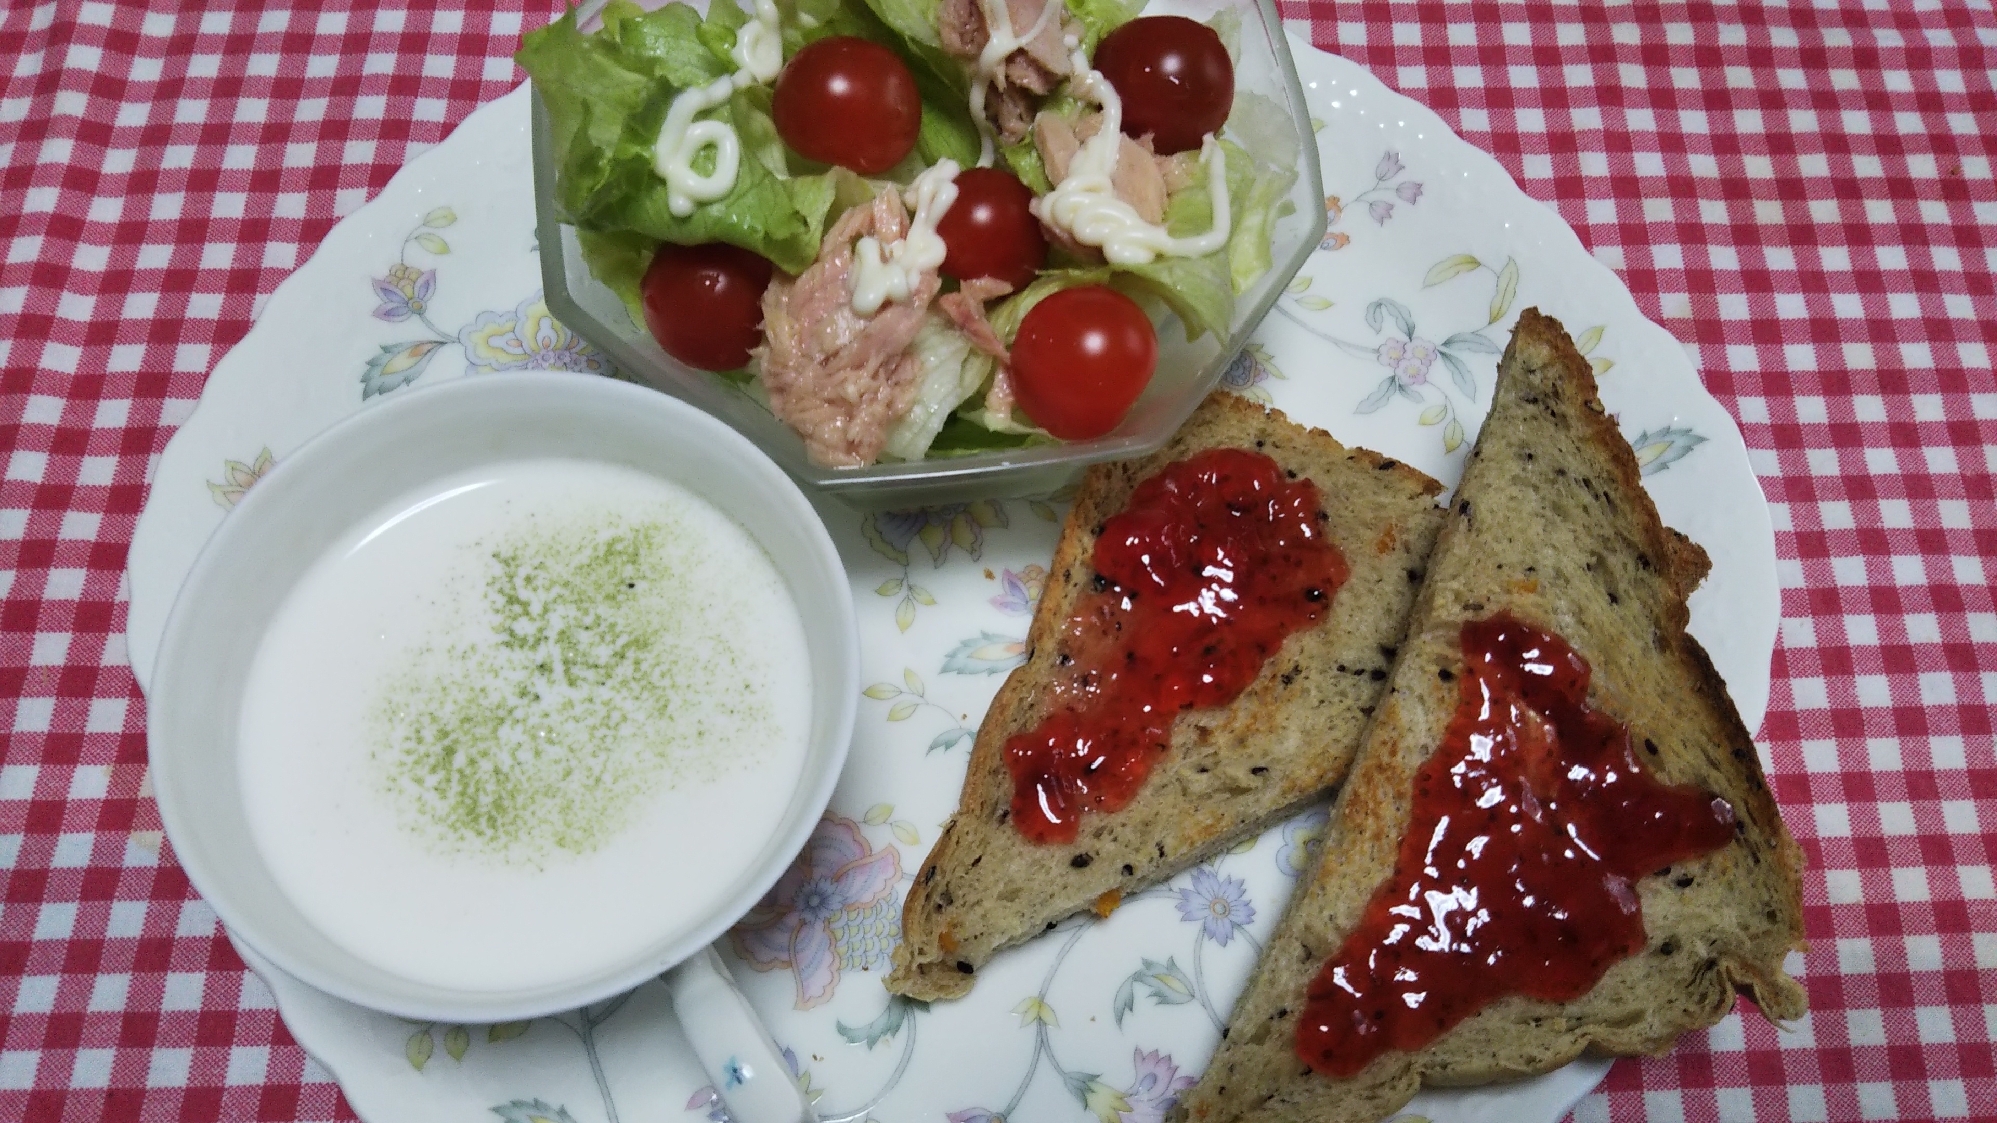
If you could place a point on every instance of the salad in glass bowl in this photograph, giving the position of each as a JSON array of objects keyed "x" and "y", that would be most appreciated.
[{"x": 924, "y": 239}]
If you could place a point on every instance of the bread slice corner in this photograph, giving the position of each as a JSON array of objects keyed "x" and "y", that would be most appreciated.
[
  {"x": 1552, "y": 524},
  {"x": 1230, "y": 772}
]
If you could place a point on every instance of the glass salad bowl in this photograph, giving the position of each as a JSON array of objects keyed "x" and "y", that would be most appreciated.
[{"x": 1278, "y": 129}]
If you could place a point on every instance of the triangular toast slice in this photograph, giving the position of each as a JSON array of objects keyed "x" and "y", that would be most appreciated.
[
  {"x": 1230, "y": 771},
  {"x": 1551, "y": 525}
]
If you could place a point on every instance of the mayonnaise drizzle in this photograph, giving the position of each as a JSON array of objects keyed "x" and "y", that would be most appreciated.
[
  {"x": 759, "y": 55},
  {"x": 1084, "y": 204},
  {"x": 759, "y": 44},
  {"x": 680, "y": 140},
  {"x": 877, "y": 280},
  {"x": 1000, "y": 43}
]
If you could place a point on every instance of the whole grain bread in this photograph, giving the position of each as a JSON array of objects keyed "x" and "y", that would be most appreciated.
[
  {"x": 1552, "y": 524},
  {"x": 1231, "y": 771}
]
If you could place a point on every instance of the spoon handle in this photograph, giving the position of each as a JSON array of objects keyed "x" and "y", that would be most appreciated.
[{"x": 734, "y": 1048}]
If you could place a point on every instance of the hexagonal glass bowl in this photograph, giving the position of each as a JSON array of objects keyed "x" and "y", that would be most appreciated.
[{"x": 1187, "y": 371}]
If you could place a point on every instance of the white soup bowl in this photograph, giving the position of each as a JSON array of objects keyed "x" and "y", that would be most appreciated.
[{"x": 348, "y": 473}]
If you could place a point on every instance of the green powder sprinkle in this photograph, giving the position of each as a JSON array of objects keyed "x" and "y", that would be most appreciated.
[{"x": 590, "y": 673}]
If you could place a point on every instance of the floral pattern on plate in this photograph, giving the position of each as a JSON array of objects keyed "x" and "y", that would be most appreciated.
[
  {"x": 523, "y": 338},
  {"x": 833, "y": 909},
  {"x": 1378, "y": 197},
  {"x": 238, "y": 477}
]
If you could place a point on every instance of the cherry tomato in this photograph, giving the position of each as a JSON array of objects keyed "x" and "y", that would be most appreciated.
[
  {"x": 989, "y": 232},
  {"x": 1174, "y": 77},
  {"x": 848, "y": 101},
  {"x": 704, "y": 303},
  {"x": 1080, "y": 358}
]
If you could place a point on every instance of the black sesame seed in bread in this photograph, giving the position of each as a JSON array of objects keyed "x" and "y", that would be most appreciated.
[
  {"x": 1551, "y": 524},
  {"x": 1230, "y": 772}
]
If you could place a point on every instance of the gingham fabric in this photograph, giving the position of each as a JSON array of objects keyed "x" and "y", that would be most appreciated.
[{"x": 1802, "y": 194}]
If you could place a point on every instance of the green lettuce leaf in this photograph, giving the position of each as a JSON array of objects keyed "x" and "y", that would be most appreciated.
[
  {"x": 1268, "y": 137},
  {"x": 1006, "y": 315},
  {"x": 619, "y": 259},
  {"x": 1194, "y": 288},
  {"x": 718, "y": 32},
  {"x": 1100, "y": 17},
  {"x": 1255, "y": 215},
  {"x": 1189, "y": 212},
  {"x": 807, "y": 21},
  {"x": 1024, "y": 160},
  {"x": 971, "y": 428},
  {"x": 947, "y": 135},
  {"x": 590, "y": 89},
  {"x": 782, "y": 219},
  {"x": 674, "y": 43},
  {"x": 951, "y": 374},
  {"x": 909, "y": 27},
  {"x": 1197, "y": 289},
  {"x": 962, "y": 435},
  {"x": 607, "y": 95},
  {"x": 911, "y": 19},
  {"x": 913, "y": 25},
  {"x": 1201, "y": 290},
  {"x": 749, "y": 111},
  {"x": 1226, "y": 23}
]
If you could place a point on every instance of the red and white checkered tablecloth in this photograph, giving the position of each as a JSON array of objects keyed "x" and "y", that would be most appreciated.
[{"x": 1802, "y": 193}]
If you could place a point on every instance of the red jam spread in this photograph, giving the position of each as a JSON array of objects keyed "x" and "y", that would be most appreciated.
[
  {"x": 1531, "y": 825},
  {"x": 1214, "y": 561}
]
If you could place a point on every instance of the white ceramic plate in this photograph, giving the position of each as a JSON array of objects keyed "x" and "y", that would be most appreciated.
[{"x": 1389, "y": 339}]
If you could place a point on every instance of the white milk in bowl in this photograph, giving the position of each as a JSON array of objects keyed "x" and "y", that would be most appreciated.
[{"x": 525, "y": 723}]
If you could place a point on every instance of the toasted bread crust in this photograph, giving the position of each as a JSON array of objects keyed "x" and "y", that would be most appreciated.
[
  {"x": 1552, "y": 524},
  {"x": 1231, "y": 772}
]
